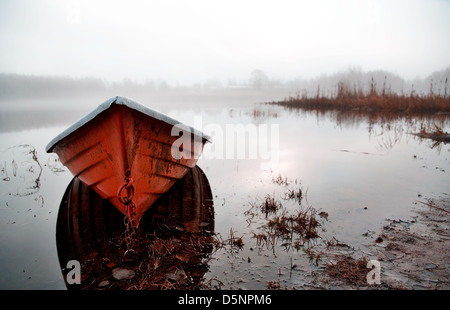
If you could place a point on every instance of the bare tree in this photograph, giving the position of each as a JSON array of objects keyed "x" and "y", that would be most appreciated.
[{"x": 258, "y": 79}]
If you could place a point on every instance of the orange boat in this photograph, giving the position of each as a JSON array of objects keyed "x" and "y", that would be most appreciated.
[{"x": 128, "y": 153}]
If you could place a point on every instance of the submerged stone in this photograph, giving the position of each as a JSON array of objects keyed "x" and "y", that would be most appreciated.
[{"x": 122, "y": 274}]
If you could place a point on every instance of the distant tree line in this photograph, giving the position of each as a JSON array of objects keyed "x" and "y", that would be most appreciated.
[
  {"x": 29, "y": 86},
  {"x": 328, "y": 86},
  {"x": 20, "y": 86},
  {"x": 379, "y": 81}
]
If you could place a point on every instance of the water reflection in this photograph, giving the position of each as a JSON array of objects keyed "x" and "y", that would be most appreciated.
[
  {"x": 387, "y": 128},
  {"x": 174, "y": 239}
]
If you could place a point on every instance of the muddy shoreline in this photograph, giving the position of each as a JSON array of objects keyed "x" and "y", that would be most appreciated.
[{"x": 413, "y": 253}]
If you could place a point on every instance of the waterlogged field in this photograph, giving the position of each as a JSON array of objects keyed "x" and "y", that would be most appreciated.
[{"x": 289, "y": 188}]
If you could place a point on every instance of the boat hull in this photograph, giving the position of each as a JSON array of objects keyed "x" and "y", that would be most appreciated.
[
  {"x": 122, "y": 138},
  {"x": 88, "y": 228}
]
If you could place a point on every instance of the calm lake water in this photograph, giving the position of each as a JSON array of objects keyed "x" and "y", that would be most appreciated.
[{"x": 359, "y": 171}]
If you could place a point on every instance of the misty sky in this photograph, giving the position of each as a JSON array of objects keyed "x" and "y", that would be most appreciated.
[{"x": 193, "y": 41}]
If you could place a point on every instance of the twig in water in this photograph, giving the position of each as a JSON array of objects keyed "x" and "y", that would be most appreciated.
[{"x": 433, "y": 206}]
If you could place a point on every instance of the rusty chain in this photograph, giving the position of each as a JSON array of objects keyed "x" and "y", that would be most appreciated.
[{"x": 129, "y": 219}]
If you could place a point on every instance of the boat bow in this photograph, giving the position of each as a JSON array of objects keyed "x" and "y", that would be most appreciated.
[{"x": 122, "y": 140}]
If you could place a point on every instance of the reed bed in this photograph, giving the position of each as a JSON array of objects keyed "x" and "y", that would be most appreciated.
[{"x": 353, "y": 99}]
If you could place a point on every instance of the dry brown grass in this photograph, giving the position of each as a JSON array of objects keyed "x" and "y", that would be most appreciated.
[
  {"x": 353, "y": 271},
  {"x": 372, "y": 101}
]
